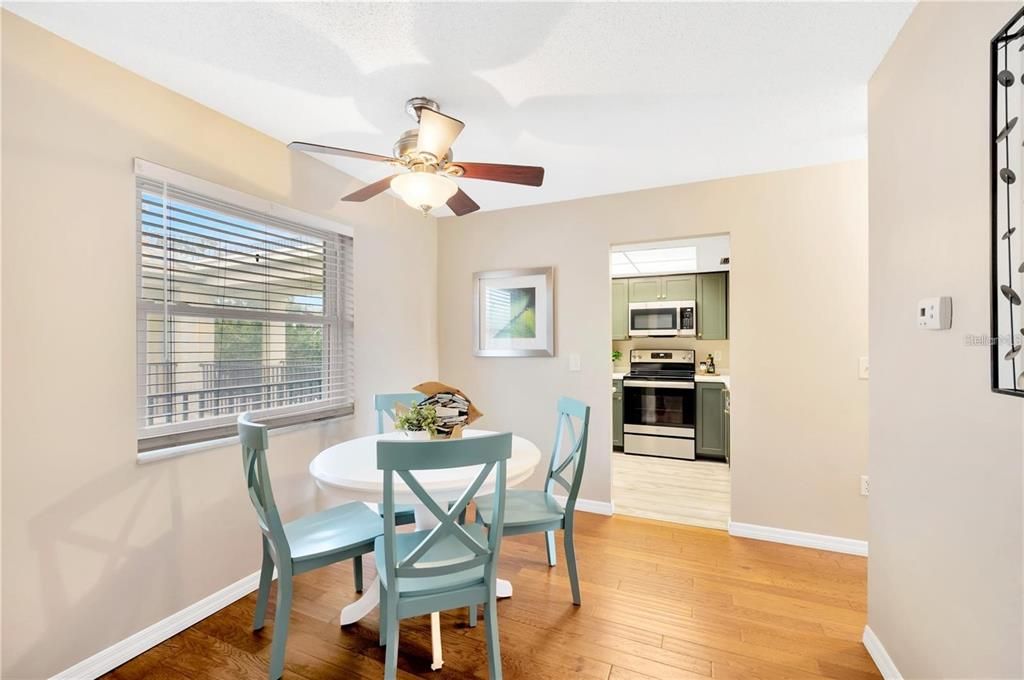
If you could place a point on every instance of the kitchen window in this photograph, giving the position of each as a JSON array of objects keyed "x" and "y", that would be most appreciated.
[{"x": 242, "y": 306}]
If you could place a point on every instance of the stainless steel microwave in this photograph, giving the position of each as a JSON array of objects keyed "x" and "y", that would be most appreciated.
[{"x": 663, "y": 319}]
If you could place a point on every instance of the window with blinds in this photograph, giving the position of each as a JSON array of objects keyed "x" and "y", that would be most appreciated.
[{"x": 237, "y": 311}]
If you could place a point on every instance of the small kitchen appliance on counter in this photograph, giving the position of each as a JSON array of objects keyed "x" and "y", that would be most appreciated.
[{"x": 660, "y": 404}]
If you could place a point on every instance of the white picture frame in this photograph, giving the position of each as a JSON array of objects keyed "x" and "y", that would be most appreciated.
[{"x": 514, "y": 313}]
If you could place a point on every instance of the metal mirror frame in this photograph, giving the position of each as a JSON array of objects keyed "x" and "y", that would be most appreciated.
[{"x": 1005, "y": 289}]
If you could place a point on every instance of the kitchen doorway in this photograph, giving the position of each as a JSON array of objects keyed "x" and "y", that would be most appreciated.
[{"x": 670, "y": 380}]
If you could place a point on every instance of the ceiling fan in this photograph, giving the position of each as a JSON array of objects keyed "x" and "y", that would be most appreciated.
[{"x": 425, "y": 155}]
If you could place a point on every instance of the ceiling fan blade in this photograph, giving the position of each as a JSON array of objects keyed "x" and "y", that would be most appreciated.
[
  {"x": 529, "y": 175},
  {"x": 461, "y": 204},
  {"x": 437, "y": 132},
  {"x": 335, "y": 151},
  {"x": 370, "y": 190}
]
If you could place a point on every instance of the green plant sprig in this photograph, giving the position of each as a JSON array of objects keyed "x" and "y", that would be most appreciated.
[{"x": 418, "y": 419}]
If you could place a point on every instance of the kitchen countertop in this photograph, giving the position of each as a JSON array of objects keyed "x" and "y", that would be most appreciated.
[
  {"x": 715, "y": 377},
  {"x": 619, "y": 375}
]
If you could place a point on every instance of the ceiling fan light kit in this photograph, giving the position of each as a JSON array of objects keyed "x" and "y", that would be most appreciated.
[
  {"x": 425, "y": 153},
  {"x": 423, "y": 190}
]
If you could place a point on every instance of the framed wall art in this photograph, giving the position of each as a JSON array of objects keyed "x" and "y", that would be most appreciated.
[{"x": 514, "y": 313}]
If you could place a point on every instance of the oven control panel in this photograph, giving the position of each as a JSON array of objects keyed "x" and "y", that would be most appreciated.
[{"x": 661, "y": 356}]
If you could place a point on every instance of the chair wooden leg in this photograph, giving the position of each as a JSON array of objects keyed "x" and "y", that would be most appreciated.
[
  {"x": 570, "y": 560},
  {"x": 266, "y": 576},
  {"x": 391, "y": 653},
  {"x": 383, "y": 614},
  {"x": 284, "y": 607},
  {"x": 479, "y": 519},
  {"x": 357, "y": 570},
  {"x": 493, "y": 647},
  {"x": 552, "y": 556}
]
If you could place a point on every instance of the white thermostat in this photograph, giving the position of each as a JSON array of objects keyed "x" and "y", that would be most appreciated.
[{"x": 935, "y": 313}]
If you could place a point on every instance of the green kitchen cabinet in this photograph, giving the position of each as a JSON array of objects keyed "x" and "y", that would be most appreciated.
[
  {"x": 658, "y": 288},
  {"x": 712, "y": 420},
  {"x": 676, "y": 288},
  {"x": 728, "y": 429},
  {"x": 617, "y": 439},
  {"x": 710, "y": 291},
  {"x": 620, "y": 309},
  {"x": 645, "y": 290},
  {"x": 713, "y": 306}
]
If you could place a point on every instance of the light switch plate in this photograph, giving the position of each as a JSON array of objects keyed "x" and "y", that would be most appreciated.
[
  {"x": 862, "y": 368},
  {"x": 574, "y": 362}
]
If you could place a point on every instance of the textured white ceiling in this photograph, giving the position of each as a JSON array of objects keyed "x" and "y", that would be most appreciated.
[{"x": 607, "y": 97}]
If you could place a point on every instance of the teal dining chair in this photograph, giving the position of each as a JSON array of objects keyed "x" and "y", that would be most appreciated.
[
  {"x": 530, "y": 512},
  {"x": 384, "y": 404},
  {"x": 317, "y": 540},
  {"x": 452, "y": 565}
]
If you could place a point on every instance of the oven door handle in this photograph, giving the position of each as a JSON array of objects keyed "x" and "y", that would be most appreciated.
[{"x": 668, "y": 384}]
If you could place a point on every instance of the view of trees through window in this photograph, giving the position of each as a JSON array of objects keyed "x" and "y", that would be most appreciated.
[
  {"x": 237, "y": 340},
  {"x": 240, "y": 340},
  {"x": 303, "y": 343}
]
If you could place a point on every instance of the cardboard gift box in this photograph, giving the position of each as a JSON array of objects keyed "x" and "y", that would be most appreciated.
[{"x": 454, "y": 409}]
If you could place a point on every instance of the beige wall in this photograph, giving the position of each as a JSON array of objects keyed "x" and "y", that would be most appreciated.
[
  {"x": 798, "y": 323},
  {"x": 96, "y": 547},
  {"x": 945, "y": 569},
  {"x": 2, "y": 15}
]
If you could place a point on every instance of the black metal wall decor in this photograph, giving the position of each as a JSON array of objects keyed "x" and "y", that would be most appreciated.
[{"x": 1007, "y": 157}]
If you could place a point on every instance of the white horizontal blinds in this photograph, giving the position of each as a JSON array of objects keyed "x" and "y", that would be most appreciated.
[
  {"x": 499, "y": 309},
  {"x": 237, "y": 311}
]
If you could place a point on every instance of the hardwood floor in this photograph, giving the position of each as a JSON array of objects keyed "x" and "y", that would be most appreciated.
[
  {"x": 694, "y": 492},
  {"x": 660, "y": 601}
]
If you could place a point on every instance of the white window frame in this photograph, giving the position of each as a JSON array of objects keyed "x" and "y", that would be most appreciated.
[{"x": 152, "y": 439}]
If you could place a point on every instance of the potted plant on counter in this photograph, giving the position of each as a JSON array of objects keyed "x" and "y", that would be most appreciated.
[{"x": 419, "y": 422}]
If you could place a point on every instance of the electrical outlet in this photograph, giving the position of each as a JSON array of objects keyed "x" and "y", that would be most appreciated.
[
  {"x": 717, "y": 356},
  {"x": 574, "y": 362},
  {"x": 862, "y": 368},
  {"x": 865, "y": 485}
]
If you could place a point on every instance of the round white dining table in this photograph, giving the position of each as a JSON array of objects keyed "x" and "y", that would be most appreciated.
[{"x": 348, "y": 472}]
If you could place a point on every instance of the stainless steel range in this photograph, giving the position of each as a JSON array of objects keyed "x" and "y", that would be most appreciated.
[{"x": 660, "y": 404}]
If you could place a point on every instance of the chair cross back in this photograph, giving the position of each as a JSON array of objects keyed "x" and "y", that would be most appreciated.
[
  {"x": 402, "y": 459},
  {"x": 447, "y": 526},
  {"x": 575, "y": 454},
  {"x": 254, "y": 458}
]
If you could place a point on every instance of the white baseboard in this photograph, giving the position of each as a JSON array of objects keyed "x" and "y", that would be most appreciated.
[
  {"x": 850, "y": 546},
  {"x": 115, "y": 655},
  {"x": 881, "y": 657},
  {"x": 597, "y": 507}
]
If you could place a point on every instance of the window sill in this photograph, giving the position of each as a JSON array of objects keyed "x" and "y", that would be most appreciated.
[{"x": 156, "y": 455}]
